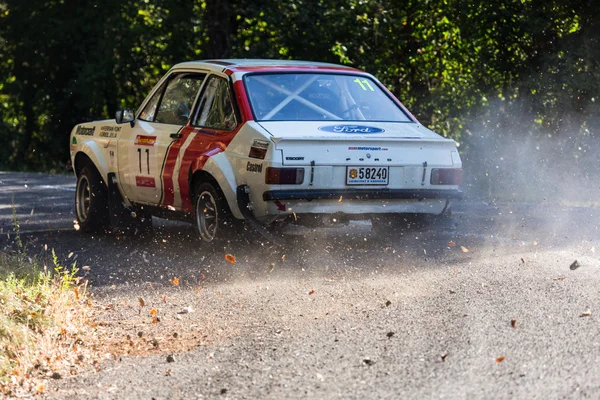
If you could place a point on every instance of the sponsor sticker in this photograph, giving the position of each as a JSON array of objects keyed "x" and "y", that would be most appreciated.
[
  {"x": 142, "y": 140},
  {"x": 85, "y": 131},
  {"x": 259, "y": 149},
  {"x": 366, "y": 148},
  {"x": 254, "y": 167},
  {"x": 351, "y": 129},
  {"x": 145, "y": 181},
  {"x": 109, "y": 131},
  {"x": 294, "y": 158},
  {"x": 261, "y": 144}
]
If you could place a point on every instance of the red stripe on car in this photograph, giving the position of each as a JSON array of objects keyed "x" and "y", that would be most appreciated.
[
  {"x": 169, "y": 167},
  {"x": 206, "y": 144},
  {"x": 242, "y": 100}
]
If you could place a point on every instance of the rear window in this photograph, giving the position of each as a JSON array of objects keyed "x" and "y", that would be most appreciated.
[{"x": 320, "y": 97}]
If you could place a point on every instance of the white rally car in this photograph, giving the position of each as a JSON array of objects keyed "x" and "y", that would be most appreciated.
[{"x": 220, "y": 141}]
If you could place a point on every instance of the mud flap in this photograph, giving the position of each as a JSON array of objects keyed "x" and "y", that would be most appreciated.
[
  {"x": 243, "y": 200},
  {"x": 447, "y": 208},
  {"x": 122, "y": 218}
]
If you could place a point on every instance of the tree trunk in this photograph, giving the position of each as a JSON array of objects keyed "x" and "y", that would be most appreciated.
[{"x": 218, "y": 27}]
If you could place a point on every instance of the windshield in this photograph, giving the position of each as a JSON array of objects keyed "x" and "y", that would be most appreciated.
[{"x": 320, "y": 97}]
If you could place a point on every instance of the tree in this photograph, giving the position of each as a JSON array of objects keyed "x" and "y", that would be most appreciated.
[{"x": 451, "y": 62}]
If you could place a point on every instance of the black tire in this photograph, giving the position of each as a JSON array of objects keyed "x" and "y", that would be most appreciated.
[
  {"x": 91, "y": 201},
  {"x": 213, "y": 221}
]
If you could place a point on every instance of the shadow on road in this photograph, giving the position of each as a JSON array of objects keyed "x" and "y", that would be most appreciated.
[
  {"x": 478, "y": 229},
  {"x": 173, "y": 250}
]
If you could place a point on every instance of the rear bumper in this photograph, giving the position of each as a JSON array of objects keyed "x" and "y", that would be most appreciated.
[{"x": 362, "y": 194}]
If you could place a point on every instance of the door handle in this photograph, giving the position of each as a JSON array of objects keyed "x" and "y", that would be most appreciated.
[{"x": 176, "y": 135}]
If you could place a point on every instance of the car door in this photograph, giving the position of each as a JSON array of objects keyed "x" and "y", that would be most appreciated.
[
  {"x": 143, "y": 149},
  {"x": 214, "y": 125}
]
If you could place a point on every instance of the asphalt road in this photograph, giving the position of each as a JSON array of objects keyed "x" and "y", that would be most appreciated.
[{"x": 401, "y": 312}]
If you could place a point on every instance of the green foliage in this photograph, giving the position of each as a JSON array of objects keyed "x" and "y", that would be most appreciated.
[
  {"x": 35, "y": 304},
  {"x": 450, "y": 61}
]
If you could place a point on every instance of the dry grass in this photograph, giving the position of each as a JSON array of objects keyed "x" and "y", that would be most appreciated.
[{"x": 44, "y": 314}]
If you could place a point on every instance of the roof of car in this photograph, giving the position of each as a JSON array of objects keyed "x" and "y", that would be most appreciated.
[{"x": 248, "y": 64}]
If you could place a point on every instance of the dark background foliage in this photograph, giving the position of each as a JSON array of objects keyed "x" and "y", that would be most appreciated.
[{"x": 458, "y": 65}]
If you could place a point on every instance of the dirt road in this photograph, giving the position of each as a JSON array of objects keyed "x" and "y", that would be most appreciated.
[{"x": 484, "y": 307}]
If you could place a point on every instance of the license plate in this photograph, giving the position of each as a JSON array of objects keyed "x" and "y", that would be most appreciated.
[{"x": 367, "y": 175}]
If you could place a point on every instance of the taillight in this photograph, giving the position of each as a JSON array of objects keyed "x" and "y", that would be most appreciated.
[
  {"x": 446, "y": 176},
  {"x": 284, "y": 176}
]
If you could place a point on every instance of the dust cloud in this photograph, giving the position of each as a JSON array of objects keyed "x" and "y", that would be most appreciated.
[
  {"x": 539, "y": 189},
  {"x": 505, "y": 160}
]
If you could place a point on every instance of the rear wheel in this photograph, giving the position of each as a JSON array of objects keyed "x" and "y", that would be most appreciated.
[
  {"x": 91, "y": 201},
  {"x": 212, "y": 219}
]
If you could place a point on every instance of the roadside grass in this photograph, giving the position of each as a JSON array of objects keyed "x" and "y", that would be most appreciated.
[{"x": 44, "y": 311}]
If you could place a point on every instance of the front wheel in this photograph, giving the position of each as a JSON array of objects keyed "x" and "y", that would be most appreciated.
[
  {"x": 212, "y": 217},
  {"x": 91, "y": 201}
]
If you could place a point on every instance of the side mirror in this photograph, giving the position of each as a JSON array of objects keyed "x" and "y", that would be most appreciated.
[{"x": 124, "y": 116}]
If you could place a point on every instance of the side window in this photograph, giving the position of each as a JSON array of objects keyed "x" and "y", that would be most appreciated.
[
  {"x": 150, "y": 110},
  {"x": 176, "y": 103},
  {"x": 216, "y": 106}
]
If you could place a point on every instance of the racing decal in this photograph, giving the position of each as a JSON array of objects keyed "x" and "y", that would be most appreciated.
[
  {"x": 366, "y": 148},
  {"x": 259, "y": 149},
  {"x": 74, "y": 144},
  {"x": 294, "y": 158},
  {"x": 142, "y": 140},
  {"x": 350, "y": 129},
  {"x": 254, "y": 167},
  {"x": 83, "y": 131},
  {"x": 364, "y": 84},
  {"x": 145, "y": 181},
  {"x": 146, "y": 162},
  {"x": 109, "y": 131}
]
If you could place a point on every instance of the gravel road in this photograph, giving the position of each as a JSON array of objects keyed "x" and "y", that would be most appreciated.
[{"x": 484, "y": 307}]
